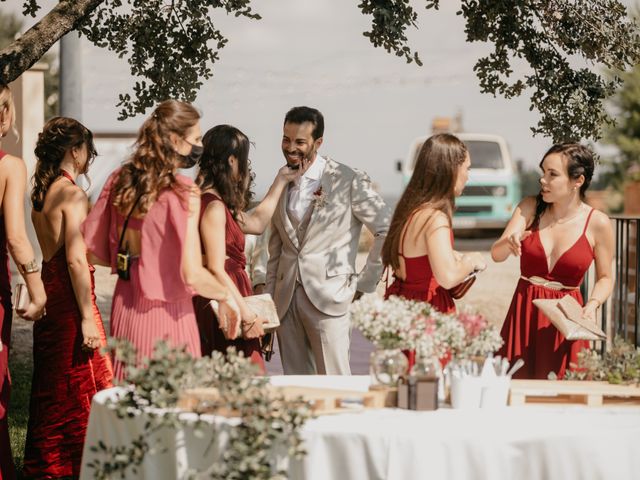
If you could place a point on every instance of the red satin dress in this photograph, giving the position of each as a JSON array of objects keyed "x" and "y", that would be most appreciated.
[
  {"x": 65, "y": 378},
  {"x": 527, "y": 332},
  {"x": 211, "y": 336},
  {"x": 7, "y": 470},
  {"x": 420, "y": 284}
]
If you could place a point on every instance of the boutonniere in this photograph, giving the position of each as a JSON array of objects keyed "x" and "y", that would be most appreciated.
[{"x": 319, "y": 198}]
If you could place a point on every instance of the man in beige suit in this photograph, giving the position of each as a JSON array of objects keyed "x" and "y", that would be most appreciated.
[{"x": 312, "y": 250}]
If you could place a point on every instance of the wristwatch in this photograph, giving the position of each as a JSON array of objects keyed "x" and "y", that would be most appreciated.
[{"x": 29, "y": 267}]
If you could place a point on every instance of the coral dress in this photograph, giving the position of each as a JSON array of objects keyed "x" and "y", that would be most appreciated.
[
  {"x": 211, "y": 335},
  {"x": 7, "y": 470},
  {"x": 155, "y": 303},
  {"x": 65, "y": 378},
  {"x": 527, "y": 332}
]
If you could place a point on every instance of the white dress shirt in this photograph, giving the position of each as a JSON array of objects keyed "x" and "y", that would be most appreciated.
[{"x": 302, "y": 189}]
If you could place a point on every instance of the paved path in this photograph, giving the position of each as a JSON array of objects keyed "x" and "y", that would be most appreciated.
[{"x": 490, "y": 295}]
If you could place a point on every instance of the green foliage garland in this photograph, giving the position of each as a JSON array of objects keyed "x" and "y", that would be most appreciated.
[{"x": 268, "y": 424}]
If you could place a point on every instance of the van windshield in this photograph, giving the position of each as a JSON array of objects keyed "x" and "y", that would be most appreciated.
[{"x": 485, "y": 154}]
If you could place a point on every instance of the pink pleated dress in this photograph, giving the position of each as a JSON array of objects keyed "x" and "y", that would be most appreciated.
[{"x": 155, "y": 303}]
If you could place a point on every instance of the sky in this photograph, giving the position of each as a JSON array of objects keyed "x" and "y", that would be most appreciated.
[{"x": 312, "y": 52}]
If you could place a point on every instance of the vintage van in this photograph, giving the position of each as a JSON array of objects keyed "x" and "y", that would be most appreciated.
[{"x": 493, "y": 189}]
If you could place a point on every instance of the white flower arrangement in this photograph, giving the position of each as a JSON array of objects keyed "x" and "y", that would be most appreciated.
[
  {"x": 408, "y": 324},
  {"x": 457, "y": 336},
  {"x": 388, "y": 323}
]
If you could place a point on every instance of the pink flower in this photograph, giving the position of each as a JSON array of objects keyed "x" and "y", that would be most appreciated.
[{"x": 473, "y": 323}]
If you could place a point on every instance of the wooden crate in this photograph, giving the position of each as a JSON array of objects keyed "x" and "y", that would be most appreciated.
[
  {"x": 322, "y": 400},
  {"x": 593, "y": 394},
  {"x": 326, "y": 401}
]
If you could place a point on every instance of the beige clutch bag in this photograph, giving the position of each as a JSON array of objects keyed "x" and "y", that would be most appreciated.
[
  {"x": 21, "y": 297},
  {"x": 262, "y": 305},
  {"x": 566, "y": 316}
]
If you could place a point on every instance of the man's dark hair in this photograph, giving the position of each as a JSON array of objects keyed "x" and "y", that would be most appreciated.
[{"x": 307, "y": 114}]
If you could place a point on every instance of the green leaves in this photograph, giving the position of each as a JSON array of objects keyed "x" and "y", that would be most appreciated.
[
  {"x": 390, "y": 21},
  {"x": 620, "y": 364},
  {"x": 565, "y": 44},
  {"x": 269, "y": 424},
  {"x": 171, "y": 46}
]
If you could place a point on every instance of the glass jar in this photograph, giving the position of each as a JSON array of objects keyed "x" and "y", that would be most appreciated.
[{"x": 387, "y": 365}]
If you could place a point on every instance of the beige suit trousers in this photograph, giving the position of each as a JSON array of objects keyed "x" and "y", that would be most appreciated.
[{"x": 312, "y": 342}]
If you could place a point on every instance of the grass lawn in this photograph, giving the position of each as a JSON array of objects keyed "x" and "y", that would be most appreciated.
[{"x": 20, "y": 368}]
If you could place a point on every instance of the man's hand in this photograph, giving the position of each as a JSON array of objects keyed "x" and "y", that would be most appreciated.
[{"x": 258, "y": 289}]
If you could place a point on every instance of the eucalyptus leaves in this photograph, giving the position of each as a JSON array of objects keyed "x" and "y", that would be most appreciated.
[
  {"x": 620, "y": 364},
  {"x": 267, "y": 424}
]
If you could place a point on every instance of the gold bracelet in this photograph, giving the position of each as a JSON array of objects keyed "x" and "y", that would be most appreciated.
[{"x": 29, "y": 267}]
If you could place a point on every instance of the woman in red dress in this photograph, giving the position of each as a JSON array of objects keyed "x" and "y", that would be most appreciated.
[
  {"x": 14, "y": 239},
  {"x": 557, "y": 236},
  {"x": 68, "y": 367},
  {"x": 224, "y": 177},
  {"x": 419, "y": 245}
]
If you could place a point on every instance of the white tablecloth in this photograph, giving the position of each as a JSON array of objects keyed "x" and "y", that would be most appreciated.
[{"x": 521, "y": 443}]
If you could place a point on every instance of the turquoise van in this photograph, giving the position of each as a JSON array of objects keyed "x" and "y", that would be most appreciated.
[{"x": 493, "y": 189}]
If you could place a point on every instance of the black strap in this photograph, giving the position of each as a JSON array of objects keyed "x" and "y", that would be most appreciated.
[{"x": 126, "y": 221}]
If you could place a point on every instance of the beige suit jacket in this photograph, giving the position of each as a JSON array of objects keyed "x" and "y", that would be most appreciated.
[{"x": 324, "y": 261}]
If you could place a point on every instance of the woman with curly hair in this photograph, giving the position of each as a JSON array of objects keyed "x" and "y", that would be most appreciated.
[
  {"x": 68, "y": 367},
  {"x": 145, "y": 226},
  {"x": 14, "y": 240},
  {"x": 224, "y": 176}
]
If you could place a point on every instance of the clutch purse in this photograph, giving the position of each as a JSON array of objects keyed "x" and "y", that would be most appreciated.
[
  {"x": 463, "y": 287},
  {"x": 263, "y": 306},
  {"x": 566, "y": 315},
  {"x": 21, "y": 297}
]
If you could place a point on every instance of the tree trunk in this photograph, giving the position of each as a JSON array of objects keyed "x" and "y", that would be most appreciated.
[{"x": 29, "y": 48}]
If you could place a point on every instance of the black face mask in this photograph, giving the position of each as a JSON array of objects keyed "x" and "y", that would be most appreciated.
[{"x": 192, "y": 158}]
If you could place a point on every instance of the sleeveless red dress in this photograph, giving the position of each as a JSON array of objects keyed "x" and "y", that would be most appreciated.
[
  {"x": 65, "y": 377},
  {"x": 7, "y": 470},
  {"x": 211, "y": 336},
  {"x": 420, "y": 284},
  {"x": 527, "y": 332}
]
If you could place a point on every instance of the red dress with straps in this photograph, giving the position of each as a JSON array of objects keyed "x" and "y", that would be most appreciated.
[
  {"x": 420, "y": 284},
  {"x": 527, "y": 332},
  {"x": 211, "y": 336},
  {"x": 7, "y": 470},
  {"x": 65, "y": 377}
]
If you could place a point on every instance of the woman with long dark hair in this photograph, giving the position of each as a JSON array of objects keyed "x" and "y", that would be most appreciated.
[
  {"x": 145, "y": 226},
  {"x": 419, "y": 245},
  {"x": 14, "y": 240},
  {"x": 224, "y": 176},
  {"x": 68, "y": 367},
  {"x": 557, "y": 236}
]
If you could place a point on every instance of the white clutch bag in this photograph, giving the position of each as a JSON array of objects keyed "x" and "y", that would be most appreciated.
[
  {"x": 566, "y": 316},
  {"x": 262, "y": 305}
]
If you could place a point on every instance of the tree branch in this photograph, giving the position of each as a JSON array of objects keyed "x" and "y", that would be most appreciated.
[{"x": 28, "y": 49}]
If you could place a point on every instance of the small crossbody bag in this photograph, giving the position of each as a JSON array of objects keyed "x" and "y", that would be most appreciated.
[{"x": 123, "y": 259}]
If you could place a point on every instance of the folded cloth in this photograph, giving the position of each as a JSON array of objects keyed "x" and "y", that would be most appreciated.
[{"x": 566, "y": 315}]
